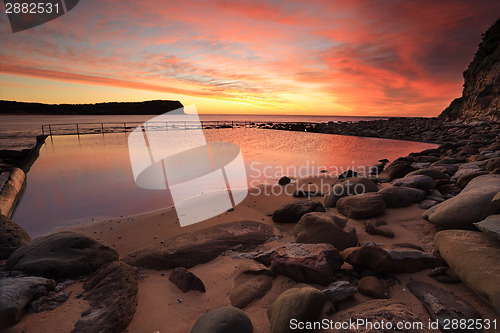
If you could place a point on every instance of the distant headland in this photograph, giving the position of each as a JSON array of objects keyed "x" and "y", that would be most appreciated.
[{"x": 112, "y": 108}]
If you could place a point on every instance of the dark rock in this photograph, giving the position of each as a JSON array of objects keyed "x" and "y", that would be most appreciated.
[
  {"x": 303, "y": 304},
  {"x": 443, "y": 305},
  {"x": 111, "y": 293},
  {"x": 407, "y": 246},
  {"x": 310, "y": 263},
  {"x": 61, "y": 255},
  {"x": 49, "y": 303},
  {"x": 376, "y": 311},
  {"x": 348, "y": 174},
  {"x": 449, "y": 189},
  {"x": 492, "y": 164},
  {"x": 12, "y": 237},
  {"x": 292, "y": 213},
  {"x": 227, "y": 319},
  {"x": 399, "y": 169},
  {"x": 426, "y": 204},
  {"x": 347, "y": 187},
  {"x": 472, "y": 205},
  {"x": 317, "y": 227},
  {"x": 191, "y": 249},
  {"x": 339, "y": 290},
  {"x": 361, "y": 206},
  {"x": 444, "y": 275},
  {"x": 397, "y": 197},
  {"x": 284, "y": 180},
  {"x": 368, "y": 257},
  {"x": 379, "y": 260},
  {"x": 16, "y": 293},
  {"x": 372, "y": 229},
  {"x": 424, "y": 183},
  {"x": 373, "y": 287},
  {"x": 185, "y": 280}
]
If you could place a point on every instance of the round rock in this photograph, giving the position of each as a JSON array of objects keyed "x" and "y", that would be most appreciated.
[{"x": 227, "y": 319}]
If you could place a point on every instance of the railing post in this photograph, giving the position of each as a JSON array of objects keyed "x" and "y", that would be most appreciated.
[
  {"x": 125, "y": 127},
  {"x": 77, "y": 130},
  {"x": 50, "y": 130},
  {"x": 43, "y": 133},
  {"x": 102, "y": 128},
  {"x": 166, "y": 126}
]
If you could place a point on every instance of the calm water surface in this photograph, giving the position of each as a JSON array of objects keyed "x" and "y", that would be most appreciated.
[{"x": 89, "y": 177}]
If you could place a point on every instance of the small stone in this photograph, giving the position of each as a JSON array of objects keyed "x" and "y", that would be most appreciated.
[
  {"x": 185, "y": 280},
  {"x": 373, "y": 287},
  {"x": 339, "y": 290}
]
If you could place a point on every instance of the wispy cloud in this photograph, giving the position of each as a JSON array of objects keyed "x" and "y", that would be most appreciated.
[{"x": 338, "y": 57}]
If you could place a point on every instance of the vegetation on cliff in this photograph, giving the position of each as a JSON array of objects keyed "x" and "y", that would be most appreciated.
[{"x": 481, "y": 94}]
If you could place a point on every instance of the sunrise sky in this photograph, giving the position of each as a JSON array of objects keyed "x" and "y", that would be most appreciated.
[{"x": 372, "y": 58}]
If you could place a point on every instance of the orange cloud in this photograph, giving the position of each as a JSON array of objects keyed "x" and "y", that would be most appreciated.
[{"x": 319, "y": 57}]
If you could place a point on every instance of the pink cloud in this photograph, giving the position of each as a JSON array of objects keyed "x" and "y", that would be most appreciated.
[{"x": 384, "y": 58}]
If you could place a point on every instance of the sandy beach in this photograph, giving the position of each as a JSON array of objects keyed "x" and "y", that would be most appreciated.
[{"x": 162, "y": 307}]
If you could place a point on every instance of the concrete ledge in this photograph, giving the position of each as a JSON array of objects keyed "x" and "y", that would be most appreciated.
[{"x": 12, "y": 182}]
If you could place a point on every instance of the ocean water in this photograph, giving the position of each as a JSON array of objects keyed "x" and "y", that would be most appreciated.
[
  {"x": 19, "y": 131},
  {"x": 81, "y": 178}
]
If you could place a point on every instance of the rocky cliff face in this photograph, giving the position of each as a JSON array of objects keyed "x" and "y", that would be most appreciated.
[{"x": 481, "y": 94}]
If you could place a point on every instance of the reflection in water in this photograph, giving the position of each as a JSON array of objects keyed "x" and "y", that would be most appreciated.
[{"x": 87, "y": 177}]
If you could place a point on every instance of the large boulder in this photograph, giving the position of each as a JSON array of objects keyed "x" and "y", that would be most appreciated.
[
  {"x": 111, "y": 293},
  {"x": 377, "y": 311},
  {"x": 297, "y": 304},
  {"x": 12, "y": 237},
  {"x": 361, "y": 206},
  {"x": 16, "y": 293},
  {"x": 472, "y": 205},
  {"x": 61, "y": 255},
  {"x": 292, "y": 213},
  {"x": 474, "y": 257},
  {"x": 421, "y": 182},
  {"x": 316, "y": 228},
  {"x": 310, "y": 263},
  {"x": 348, "y": 186},
  {"x": 191, "y": 249},
  {"x": 397, "y": 197},
  {"x": 227, "y": 319}
]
